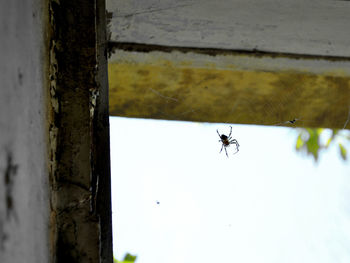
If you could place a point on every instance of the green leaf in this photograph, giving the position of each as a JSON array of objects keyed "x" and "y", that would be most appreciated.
[
  {"x": 309, "y": 141},
  {"x": 312, "y": 143},
  {"x": 319, "y": 131},
  {"x": 300, "y": 142},
  {"x": 335, "y": 132},
  {"x": 330, "y": 140},
  {"x": 128, "y": 257},
  {"x": 342, "y": 151}
]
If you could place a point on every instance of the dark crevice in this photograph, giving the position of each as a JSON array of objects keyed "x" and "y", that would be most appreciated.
[
  {"x": 9, "y": 175},
  {"x": 137, "y": 47}
]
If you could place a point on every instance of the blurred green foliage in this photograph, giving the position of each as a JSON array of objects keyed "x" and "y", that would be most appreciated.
[
  {"x": 128, "y": 258},
  {"x": 310, "y": 141}
]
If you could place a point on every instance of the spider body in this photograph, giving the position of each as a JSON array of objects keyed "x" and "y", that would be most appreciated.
[
  {"x": 227, "y": 141},
  {"x": 224, "y": 140}
]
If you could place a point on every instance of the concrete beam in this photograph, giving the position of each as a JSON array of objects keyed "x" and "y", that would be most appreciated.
[
  {"x": 234, "y": 87},
  {"x": 311, "y": 27}
]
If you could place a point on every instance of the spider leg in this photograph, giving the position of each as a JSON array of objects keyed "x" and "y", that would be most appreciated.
[
  {"x": 230, "y": 132},
  {"x": 237, "y": 148},
  {"x": 235, "y": 142},
  {"x": 226, "y": 152},
  {"x": 221, "y": 148},
  {"x": 218, "y": 134}
]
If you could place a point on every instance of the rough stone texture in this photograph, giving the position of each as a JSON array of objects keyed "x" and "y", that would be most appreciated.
[
  {"x": 24, "y": 186},
  {"x": 79, "y": 173}
]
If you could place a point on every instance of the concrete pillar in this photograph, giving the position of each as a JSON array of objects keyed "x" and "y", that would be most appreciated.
[
  {"x": 24, "y": 180},
  {"x": 54, "y": 133}
]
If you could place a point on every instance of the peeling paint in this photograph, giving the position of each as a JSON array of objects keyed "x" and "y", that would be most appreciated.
[
  {"x": 53, "y": 129},
  {"x": 94, "y": 93}
]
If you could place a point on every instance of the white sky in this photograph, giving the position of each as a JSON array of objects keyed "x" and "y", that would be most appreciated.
[{"x": 267, "y": 203}]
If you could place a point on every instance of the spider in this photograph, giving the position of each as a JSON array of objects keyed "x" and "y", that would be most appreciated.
[
  {"x": 287, "y": 122},
  {"x": 227, "y": 140}
]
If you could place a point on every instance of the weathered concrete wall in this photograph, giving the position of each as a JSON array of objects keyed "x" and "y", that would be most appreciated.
[
  {"x": 81, "y": 228},
  {"x": 301, "y": 27},
  {"x": 265, "y": 62},
  {"x": 229, "y": 87},
  {"x": 24, "y": 188},
  {"x": 54, "y": 133},
  {"x": 311, "y": 27}
]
